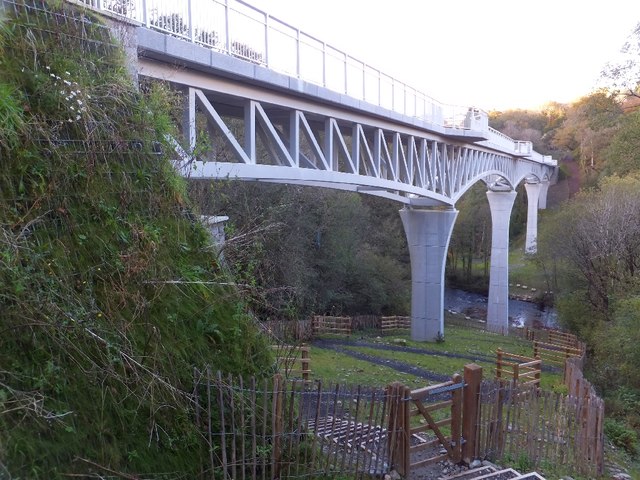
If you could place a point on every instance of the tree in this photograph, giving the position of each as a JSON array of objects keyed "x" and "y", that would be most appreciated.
[
  {"x": 623, "y": 153},
  {"x": 623, "y": 75},
  {"x": 598, "y": 234},
  {"x": 587, "y": 129}
]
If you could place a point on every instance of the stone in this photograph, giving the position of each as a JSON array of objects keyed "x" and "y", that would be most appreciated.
[
  {"x": 394, "y": 475},
  {"x": 399, "y": 341},
  {"x": 621, "y": 476},
  {"x": 475, "y": 464}
]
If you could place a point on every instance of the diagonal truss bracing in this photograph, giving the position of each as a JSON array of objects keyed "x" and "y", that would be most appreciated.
[{"x": 273, "y": 143}]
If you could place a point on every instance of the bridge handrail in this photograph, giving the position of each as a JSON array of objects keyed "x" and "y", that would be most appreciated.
[
  {"x": 236, "y": 28},
  {"x": 239, "y": 29}
]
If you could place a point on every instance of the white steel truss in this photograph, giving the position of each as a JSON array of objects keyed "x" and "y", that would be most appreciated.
[{"x": 303, "y": 147}]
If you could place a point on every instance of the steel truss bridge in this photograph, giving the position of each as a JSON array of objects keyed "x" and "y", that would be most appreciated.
[{"x": 282, "y": 106}]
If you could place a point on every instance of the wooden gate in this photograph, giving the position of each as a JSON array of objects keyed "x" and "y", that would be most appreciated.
[{"x": 434, "y": 423}]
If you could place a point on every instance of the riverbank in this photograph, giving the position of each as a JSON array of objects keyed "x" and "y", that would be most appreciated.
[{"x": 522, "y": 313}]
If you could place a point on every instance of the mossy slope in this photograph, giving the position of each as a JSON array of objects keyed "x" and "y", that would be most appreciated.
[{"x": 110, "y": 294}]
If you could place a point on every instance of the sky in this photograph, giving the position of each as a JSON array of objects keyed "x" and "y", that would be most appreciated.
[{"x": 491, "y": 54}]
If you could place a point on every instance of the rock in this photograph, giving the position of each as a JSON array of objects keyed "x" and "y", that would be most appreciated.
[
  {"x": 394, "y": 475},
  {"x": 475, "y": 464},
  {"x": 387, "y": 476},
  {"x": 443, "y": 451},
  {"x": 534, "y": 289},
  {"x": 621, "y": 476},
  {"x": 399, "y": 341},
  {"x": 517, "y": 284},
  {"x": 524, "y": 287}
]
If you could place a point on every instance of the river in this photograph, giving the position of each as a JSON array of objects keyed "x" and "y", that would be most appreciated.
[{"x": 521, "y": 313}]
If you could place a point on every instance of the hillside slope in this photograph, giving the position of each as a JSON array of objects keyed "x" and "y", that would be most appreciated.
[{"x": 110, "y": 292}]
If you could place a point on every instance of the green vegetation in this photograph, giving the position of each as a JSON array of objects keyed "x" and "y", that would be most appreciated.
[
  {"x": 110, "y": 292},
  {"x": 312, "y": 251},
  {"x": 474, "y": 346}
]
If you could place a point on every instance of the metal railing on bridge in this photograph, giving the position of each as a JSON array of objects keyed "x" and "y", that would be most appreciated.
[
  {"x": 239, "y": 29},
  {"x": 236, "y": 28}
]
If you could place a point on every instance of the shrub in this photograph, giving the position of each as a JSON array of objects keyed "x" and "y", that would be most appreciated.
[{"x": 621, "y": 435}]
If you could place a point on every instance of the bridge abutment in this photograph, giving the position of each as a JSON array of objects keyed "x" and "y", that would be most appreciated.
[
  {"x": 500, "y": 204},
  {"x": 533, "y": 196},
  {"x": 428, "y": 232}
]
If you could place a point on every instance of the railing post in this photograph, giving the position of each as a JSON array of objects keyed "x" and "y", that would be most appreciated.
[
  {"x": 499, "y": 363},
  {"x": 470, "y": 411},
  {"x": 226, "y": 27},
  {"x": 324, "y": 64},
  {"x": 145, "y": 15},
  {"x": 267, "y": 24},
  {"x": 192, "y": 31},
  {"x": 346, "y": 72}
]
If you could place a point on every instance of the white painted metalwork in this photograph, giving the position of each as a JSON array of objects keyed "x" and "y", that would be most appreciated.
[
  {"x": 406, "y": 165},
  {"x": 236, "y": 28}
]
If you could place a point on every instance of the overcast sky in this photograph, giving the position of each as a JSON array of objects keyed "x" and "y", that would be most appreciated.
[{"x": 493, "y": 54}]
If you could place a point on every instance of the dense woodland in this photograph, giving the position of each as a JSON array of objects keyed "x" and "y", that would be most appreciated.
[{"x": 111, "y": 292}]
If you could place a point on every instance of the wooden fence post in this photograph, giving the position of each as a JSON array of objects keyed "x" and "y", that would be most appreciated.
[
  {"x": 304, "y": 352},
  {"x": 470, "y": 411},
  {"x": 499, "y": 363},
  {"x": 398, "y": 443},
  {"x": 456, "y": 420},
  {"x": 277, "y": 426}
]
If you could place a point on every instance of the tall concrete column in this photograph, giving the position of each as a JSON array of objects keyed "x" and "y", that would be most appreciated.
[
  {"x": 500, "y": 204},
  {"x": 428, "y": 232},
  {"x": 542, "y": 200},
  {"x": 533, "y": 194}
]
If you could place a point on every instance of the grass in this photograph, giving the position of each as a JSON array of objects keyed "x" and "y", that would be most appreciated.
[
  {"x": 331, "y": 366},
  {"x": 334, "y": 366},
  {"x": 523, "y": 270}
]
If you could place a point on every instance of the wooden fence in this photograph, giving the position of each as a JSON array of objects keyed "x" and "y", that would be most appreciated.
[
  {"x": 294, "y": 331},
  {"x": 590, "y": 443},
  {"x": 365, "y": 322},
  {"x": 334, "y": 325},
  {"x": 554, "y": 354},
  {"x": 293, "y": 360},
  {"x": 518, "y": 368},
  {"x": 278, "y": 428},
  {"x": 521, "y": 420},
  {"x": 554, "y": 336},
  {"x": 390, "y": 324}
]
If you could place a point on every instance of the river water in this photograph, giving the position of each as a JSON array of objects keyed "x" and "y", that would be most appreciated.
[{"x": 521, "y": 313}]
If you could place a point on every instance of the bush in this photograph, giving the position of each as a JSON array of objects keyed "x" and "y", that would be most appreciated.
[{"x": 621, "y": 435}]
